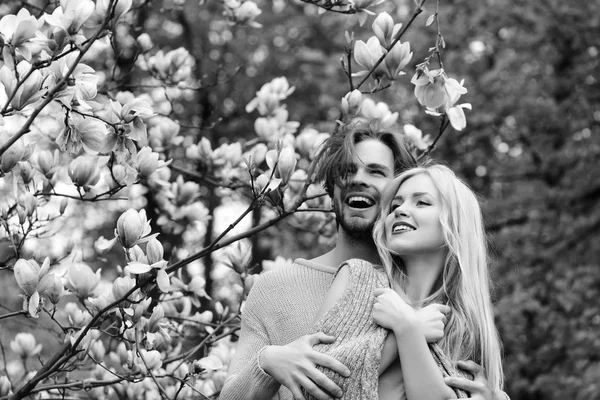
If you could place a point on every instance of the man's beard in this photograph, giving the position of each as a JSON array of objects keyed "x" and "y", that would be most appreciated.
[{"x": 361, "y": 230}]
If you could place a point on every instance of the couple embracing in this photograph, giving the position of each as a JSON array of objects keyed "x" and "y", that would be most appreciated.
[{"x": 400, "y": 307}]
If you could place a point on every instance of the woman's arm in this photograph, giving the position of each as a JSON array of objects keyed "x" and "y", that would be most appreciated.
[
  {"x": 335, "y": 292},
  {"x": 422, "y": 377}
]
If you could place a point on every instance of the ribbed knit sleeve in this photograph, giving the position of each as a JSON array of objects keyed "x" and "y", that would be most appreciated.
[
  {"x": 359, "y": 340},
  {"x": 245, "y": 380},
  {"x": 280, "y": 308}
]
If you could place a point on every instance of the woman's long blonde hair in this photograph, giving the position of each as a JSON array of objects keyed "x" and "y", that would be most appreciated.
[{"x": 470, "y": 332}]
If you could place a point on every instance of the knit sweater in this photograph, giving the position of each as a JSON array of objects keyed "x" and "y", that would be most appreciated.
[
  {"x": 359, "y": 340},
  {"x": 280, "y": 308}
]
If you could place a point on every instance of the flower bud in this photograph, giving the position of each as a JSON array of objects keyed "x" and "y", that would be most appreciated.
[
  {"x": 52, "y": 287},
  {"x": 154, "y": 251},
  {"x": 76, "y": 316},
  {"x": 14, "y": 154},
  {"x": 24, "y": 345},
  {"x": 27, "y": 275},
  {"x": 147, "y": 162},
  {"x": 257, "y": 154},
  {"x": 351, "y": 102},
  {"x": 82, "y": 280},
  {"x": 131, "y": 227},
  {"x": 28, "y": 202},
  {"x": 83, "y": 171},
  {"x": 238, "y": 255},
  {"x": 121, "y": 286},
  {"x": 46, "y": 162},
  {"x": 63, "y": 205},
  {"x": 97, "y": 351},
  {"x": 22, "y": 215},
  {"x": 5, "y": 386},
  {"x": 151, "y": 359},
  {"x": 286, "y": 164},
  {"x": 145, "y": 42},
  {"x": 158, "y": 314},
  {"x": 26, "y": 171}
]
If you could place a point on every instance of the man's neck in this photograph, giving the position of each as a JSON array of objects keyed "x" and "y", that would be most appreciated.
[{"x": 348, "y": 247}]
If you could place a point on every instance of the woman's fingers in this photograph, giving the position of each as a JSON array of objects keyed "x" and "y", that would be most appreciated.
[{"x": 470, "y": 366}]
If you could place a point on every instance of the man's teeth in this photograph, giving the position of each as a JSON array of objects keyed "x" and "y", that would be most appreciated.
[
  {"x": 360, "y": 199},
  {"x": 402, "y": 228}
]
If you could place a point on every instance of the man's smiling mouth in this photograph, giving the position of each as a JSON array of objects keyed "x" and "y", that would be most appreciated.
[{"x": 360, "y": 202}]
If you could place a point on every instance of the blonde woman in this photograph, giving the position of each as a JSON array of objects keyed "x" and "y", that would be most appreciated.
[{"x": 433, "y": 251}]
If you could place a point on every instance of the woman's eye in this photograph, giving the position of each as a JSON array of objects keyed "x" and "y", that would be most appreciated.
[
  {"x": 422, "y": 203},
  {"x": 394, "y": 206}
]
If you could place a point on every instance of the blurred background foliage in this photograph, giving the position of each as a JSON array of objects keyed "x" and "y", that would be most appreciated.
[{"x": 531, "y": 148}]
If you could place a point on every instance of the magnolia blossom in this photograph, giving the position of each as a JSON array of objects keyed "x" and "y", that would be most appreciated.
[
  {"x": 255, "y": 155},
  {"x": 28, "y": 92},
  {"x": 270, "y": 95},
  {"x": 283, "y": 161},
  {"x": 246, "y": 12},
  {"x": 15, "y": 153},
  {"x": 367, "y": 54},
  {"x": 87, "y": 133},
  {"x": 76, "y": 316},
  {"x": 379, "y": 111},
  {"x": 81, "y": 280},
  {"x": 440, "y": 94},
  {"x": 361, "y": 8},
  {"x": 21, "y": 32},
  {"x": 351, "y": 102},
  {"x": 83, "y": 171},
  {"x": 145, "y": 42},
  {"x": 397, "y": 59},
  {"x": 384, "y": 28},
  {"x": 71, "y": 15},
  {"x": 147, "y": 162},
  {"x": 184, "y": 192},
  {"x": 174, "y": 66},
  {"x": 415, "y": 135},
  {"x": 51, "y": 287},
  {"x": 27, "y": 275},
  {"x": 149, "y": 360},
  {"x": 237, "y": 256},
  {"x": 121, "y": 286},
  {"x": 24, "y": 345},
  {"x": 228, "y": 153},
  {"x": 165, "y": 134},
  {"x": 133, "y": 228},
  {"x": 47, "y": 162},
  {"x": 5, "y": 386}
]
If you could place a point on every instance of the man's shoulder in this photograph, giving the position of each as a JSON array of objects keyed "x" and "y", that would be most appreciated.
[{"x": 299, "y": 268}]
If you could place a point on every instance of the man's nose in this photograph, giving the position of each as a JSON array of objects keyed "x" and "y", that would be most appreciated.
[{"x": 358, "y": 177}]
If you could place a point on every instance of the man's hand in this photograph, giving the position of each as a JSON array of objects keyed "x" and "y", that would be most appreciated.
[
  {"x": 433, "y": 320},
  {"x": 478, "y": 387},
  {"x": 294, "y": 366}
]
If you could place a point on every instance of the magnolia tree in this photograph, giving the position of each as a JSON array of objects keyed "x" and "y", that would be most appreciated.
[{"x": 74, "y": 142}]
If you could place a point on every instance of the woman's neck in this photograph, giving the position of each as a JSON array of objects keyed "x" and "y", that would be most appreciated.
[{"x": 423, "y": 271}]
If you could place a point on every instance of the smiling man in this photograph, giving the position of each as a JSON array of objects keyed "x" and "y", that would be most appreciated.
[{"x": 274, "y": 357}]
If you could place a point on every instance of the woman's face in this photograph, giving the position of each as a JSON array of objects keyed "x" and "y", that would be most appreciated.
[{"x": 413, "y": 226}]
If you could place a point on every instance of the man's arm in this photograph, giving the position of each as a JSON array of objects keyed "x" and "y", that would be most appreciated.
[
  {"x": 292, "y": 365},
  {"x": 246, "y": 380}
]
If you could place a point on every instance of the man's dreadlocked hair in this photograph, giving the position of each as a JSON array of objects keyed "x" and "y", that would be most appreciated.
[{"x": 335, "y": 156}]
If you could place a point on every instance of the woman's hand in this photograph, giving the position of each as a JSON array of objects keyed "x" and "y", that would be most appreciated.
[
  {"x": 479, "y": 387},
  {"x": 392, "y": 312},
  {"x": 433, "y": 320}
]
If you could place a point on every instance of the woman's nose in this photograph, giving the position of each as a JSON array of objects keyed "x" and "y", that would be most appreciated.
[{"x": 401, "y": 211}]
